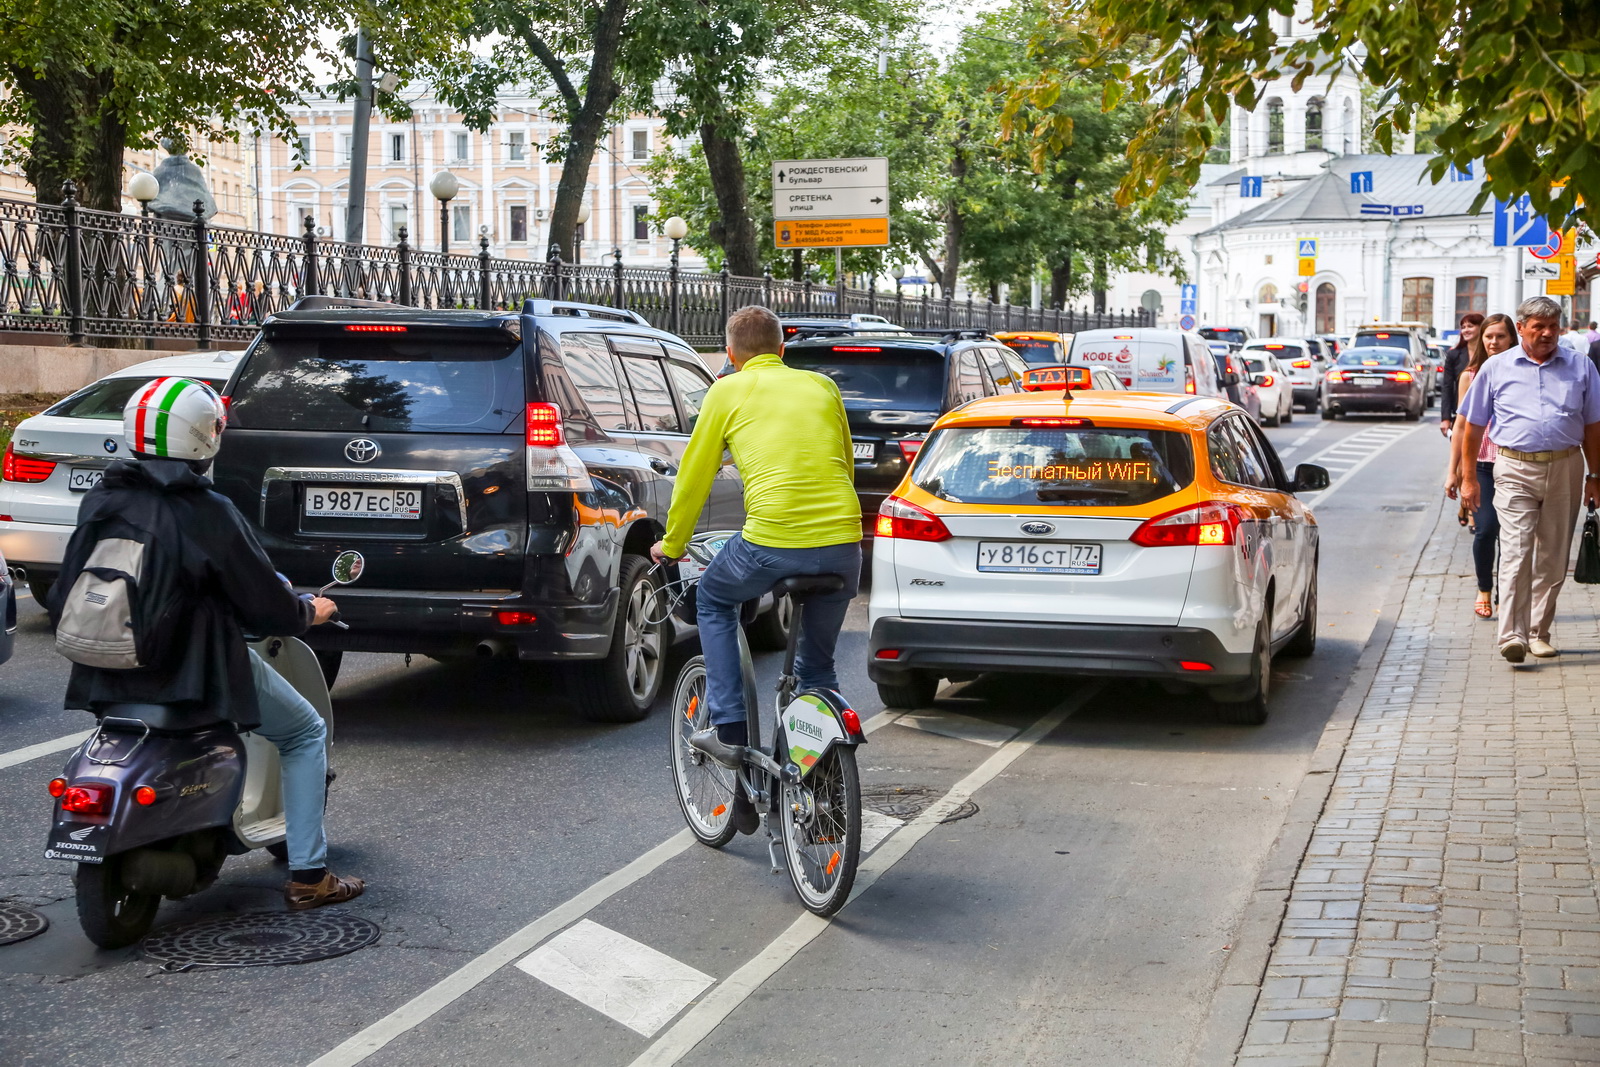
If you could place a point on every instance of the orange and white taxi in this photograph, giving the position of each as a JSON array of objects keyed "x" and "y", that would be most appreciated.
[{"x": 1128, "y": 534}]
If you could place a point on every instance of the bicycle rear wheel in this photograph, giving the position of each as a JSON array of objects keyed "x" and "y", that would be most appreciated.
[
  {"x": 704, "y": 787},
  {"x": 820, "y": 818}
]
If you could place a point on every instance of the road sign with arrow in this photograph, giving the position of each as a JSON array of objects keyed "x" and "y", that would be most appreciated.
[{"x": 830, "y": 203}]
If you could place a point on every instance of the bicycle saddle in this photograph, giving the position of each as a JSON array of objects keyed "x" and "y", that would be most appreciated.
[{"x": 808, "y": 584}]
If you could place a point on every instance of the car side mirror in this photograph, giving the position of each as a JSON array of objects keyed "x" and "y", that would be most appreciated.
[
  {"x": 1230, "y": 378},
  {"x": 1258, "y": 379},
  {"x": 1309, "y": 478}
]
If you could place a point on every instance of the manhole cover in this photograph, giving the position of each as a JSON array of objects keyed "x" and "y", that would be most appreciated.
[
  {"x": 18, "y": 923},
  {"x": 265, "y": 939},
  {"x": 906, "y": 802}
]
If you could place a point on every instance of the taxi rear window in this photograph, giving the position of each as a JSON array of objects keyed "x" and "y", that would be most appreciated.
[
  {"x": 1037, "y": 350},
  {"x": 1100, "y": 466}
]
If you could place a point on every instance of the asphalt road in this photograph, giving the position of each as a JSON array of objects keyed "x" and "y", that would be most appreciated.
[{"x": 1082, "y": 914}]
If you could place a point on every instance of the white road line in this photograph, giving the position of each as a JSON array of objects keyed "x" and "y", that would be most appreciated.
[
  {"x": 717, "y": 1005},
  {"x": 422, "y": 1007},
  {"x": 960, "y": 727},
  {"x": 640, "y": 987},
  {"x": 1300, "y": 442},
  {"x": 1315, "y": 499},
  {"x": 875, "y": 826},
  {"x": 43, "y": 748}
]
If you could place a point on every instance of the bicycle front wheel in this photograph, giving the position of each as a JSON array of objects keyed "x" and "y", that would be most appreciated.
[
  {"x": 703, "y": 786},
  {"x": 821, "y": 823}
]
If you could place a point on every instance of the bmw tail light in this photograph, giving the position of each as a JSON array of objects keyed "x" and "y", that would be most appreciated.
[
  {"x": 89, "y": 798},
  {"x": 23, "y": 469},
  {"x": 900, "y": 518},
  {"x": 551, "y": 464},
  {"x": 1212, "y": 523}
]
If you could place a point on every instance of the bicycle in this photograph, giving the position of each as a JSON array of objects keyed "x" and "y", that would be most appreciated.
[{"x": 806, "y": 779}]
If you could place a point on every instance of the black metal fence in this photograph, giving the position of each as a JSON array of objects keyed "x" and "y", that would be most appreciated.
[{"x": 95, "y": 275}]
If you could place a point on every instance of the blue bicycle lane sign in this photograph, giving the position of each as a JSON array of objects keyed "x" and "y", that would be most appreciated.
[{"x": 1515, "y": 224}]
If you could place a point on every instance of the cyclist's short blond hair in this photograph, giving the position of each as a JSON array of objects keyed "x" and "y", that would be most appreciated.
[{"x": 754, "y": 331}]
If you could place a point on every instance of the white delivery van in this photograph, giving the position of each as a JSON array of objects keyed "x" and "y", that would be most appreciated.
[{"x": 1151, "y": 360}]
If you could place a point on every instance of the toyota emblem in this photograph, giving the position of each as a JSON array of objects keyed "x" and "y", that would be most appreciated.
[
  {"x": 361, "y": 450},
  {"x": 1038, "y": 528}
]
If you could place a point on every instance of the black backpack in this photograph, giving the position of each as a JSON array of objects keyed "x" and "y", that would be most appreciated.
[{"x": 127, "y": 605}]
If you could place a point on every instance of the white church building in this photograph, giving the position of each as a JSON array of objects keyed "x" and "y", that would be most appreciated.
[{"x": 1389, "y": 244}]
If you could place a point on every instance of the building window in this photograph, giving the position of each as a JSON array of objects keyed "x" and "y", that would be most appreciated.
[
  {"x": 1472, "y": 294},
  {"x": 460, "y": 222},
  {"x": 516, "y": 147},
  {"x": 1314, "y": 124},
  {"x": 463, "y": 148},
  {"x": 1325, "y": 305},
  {"x": 641, "y": 144},
  {"x": 302, "y": 150},
  {"x": 1267, "y": 294},
  {"x": 298, "y": 210},
  {"x": 519, "y": 223},
  {"x": 397, "y": 147},
  {"x": 347, "y": 147},
  {"x": 1274, "y": 127},
  {"x": 397, "y": 220},
  {"x": 641, "y": 222},
  {"x": 1416, "y": 300}
]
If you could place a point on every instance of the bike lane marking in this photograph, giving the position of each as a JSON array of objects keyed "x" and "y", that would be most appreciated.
[
  {"x": 724, "y": 998},
  {"x": 463, "y": 980},
  {"x": 43, "y": 748}
]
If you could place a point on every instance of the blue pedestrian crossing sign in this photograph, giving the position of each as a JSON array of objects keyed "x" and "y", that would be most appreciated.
[
  {"x": 1188, "y": 299},
  {"x": 1308, "y": 247},
  {"x": 1516, "y": 225},
  {"x": 1361, "y": 181},
  {"x": 1249, "y": 186}
]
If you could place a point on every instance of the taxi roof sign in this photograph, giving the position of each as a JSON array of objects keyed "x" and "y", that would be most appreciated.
[{"x": 1045, "y": 379}]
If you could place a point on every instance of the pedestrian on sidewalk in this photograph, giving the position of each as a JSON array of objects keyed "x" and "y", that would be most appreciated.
[
  {"x": 1495, "y": 335},
  {"x": 1544, "y": 401},
  {"x": 1455, "y": 361}
]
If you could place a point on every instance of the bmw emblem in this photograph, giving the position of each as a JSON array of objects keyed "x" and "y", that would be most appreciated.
[
  {"x": 111, "y": 445},
  {"x": 361, "y": 450},
  {"x": 1038, "y": 528}
]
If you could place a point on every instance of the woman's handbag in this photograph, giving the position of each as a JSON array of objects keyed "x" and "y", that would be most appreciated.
[{"x": 1587, "y": 570}]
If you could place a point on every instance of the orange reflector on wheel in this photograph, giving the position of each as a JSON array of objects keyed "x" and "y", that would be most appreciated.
[
  {"x": 694, "y": 702},
  {"x": 833, "y": 863},
  {"x": 718, "y": 810}
]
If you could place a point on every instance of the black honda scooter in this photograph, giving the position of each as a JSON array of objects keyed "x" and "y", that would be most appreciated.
[{"x": 158, "y": 797}]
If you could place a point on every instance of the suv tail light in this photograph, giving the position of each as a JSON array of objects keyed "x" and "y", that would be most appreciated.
[
  {"x": 551, "y": 464},
  {"x": 910, "y": 446},
  {"x": 900, "y": 518},
  {"x": 1211, "y": 523},
  {"x": 23, "y": 469},
  {"x": 90, "y": 798}
]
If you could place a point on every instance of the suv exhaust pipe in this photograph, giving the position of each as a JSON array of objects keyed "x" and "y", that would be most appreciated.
[{"x": 490, "y": 648}]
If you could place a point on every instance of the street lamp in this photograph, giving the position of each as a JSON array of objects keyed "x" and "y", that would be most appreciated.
[
  {"x": 144, "y": 188},
  {"x": 444, "y": 186},
  {"x": 577, "y": 237},
  {"x": 676, "y": 229}
]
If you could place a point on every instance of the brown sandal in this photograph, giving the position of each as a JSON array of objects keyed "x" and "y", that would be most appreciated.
[{"x": 331, "y": 890}]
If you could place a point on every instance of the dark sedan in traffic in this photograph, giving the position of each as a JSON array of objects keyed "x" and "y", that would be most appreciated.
[{"x": 1374, "y": 379}]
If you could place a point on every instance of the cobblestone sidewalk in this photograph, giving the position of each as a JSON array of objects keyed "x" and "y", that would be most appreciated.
[{"x": 1445, "y": 911}]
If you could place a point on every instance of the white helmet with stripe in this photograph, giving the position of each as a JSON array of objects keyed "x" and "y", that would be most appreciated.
[{"x": 174, "y": 418}]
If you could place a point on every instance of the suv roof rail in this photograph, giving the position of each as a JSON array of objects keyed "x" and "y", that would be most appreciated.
[
  {"x": 334, "y": 303},
  {"x": 953, "y": 334},
  {"x": 541, "y": 306}
]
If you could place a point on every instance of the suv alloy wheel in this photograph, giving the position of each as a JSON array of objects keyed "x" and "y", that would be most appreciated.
[{"x": 621, "y": 687}]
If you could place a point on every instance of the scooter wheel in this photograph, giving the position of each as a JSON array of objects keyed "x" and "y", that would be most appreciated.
[{"x": 111, "y": 914}]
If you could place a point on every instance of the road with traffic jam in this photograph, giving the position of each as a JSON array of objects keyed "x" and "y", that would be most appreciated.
[{"x": 539, "y": 900}]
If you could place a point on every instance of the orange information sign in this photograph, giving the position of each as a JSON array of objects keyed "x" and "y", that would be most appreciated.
[
  {"x": 1308, "y": 266},
  {"x": 830, "y": 233},
  {"x": 1566, "y": 283}
]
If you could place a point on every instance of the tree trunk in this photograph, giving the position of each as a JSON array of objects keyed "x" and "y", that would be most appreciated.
[
  {"x": 587, "y": 124},
  {"x": 1100, "y": 282},
  {"x": 736, "y": 231},
  {"x": 955, "y": 226},
  {"x": 1061, "y": 280},
  {"x": 75, "y": 137}
]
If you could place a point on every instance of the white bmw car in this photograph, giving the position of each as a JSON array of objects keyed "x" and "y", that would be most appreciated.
[{"x": 58, "y": 455}]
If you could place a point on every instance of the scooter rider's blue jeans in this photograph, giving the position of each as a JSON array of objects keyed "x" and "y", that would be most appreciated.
[
  {"x": 290, "y": 722},
  {"x": 743, "y": 571}
]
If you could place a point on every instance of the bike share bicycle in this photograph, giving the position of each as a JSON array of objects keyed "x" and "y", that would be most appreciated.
[{"x": 805, "y": 779}]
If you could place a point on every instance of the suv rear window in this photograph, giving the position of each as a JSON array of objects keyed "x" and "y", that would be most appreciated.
[
  {"x": 1102, "y": 466},
  {"x": 1037, "y": 351},
  {"x": 106, "y": 399},
  {"x": 380, "y": 385},
  {"x": 883, "y": 378}
]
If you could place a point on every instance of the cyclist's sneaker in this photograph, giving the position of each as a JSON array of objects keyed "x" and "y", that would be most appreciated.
[{"x": 706, "y": 741}]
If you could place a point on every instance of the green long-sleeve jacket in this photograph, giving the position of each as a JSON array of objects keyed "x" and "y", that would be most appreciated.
[{"x": 787, "y": 431}]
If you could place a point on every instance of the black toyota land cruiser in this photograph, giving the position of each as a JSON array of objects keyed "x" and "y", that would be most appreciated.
[{"x": 504, "y": 473}]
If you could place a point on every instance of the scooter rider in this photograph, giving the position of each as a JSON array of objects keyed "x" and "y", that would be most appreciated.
[
  {"x": 789, "y": 436},
  {"x": 173, "y": 428}
]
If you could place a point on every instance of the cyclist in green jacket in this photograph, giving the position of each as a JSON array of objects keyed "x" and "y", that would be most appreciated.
[{"x": 788, "y": 434}]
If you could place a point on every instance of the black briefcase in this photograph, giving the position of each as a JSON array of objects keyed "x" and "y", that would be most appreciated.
[{"x": 1587, "y": 569}]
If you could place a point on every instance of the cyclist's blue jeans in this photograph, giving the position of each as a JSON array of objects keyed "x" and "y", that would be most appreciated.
[
  {"x": 290, "y": 722},
  {"x": 743, "y": 571}
]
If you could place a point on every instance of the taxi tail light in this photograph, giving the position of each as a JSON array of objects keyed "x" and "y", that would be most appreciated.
[
  {"x": 17, "y": 468},
  {"x": 1050, "y": 420},
  {"x": 90, "y": 798},
  {"x": 1301, "y": 364},
  {"x": 551, "y": 464},
  {"x": 910, "y": 446},
  {"x": 1213, "y": 523},
  {"x": 899, "y": 518}
]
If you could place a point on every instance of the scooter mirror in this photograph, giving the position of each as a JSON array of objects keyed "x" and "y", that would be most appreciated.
[{"x": 347, "y": 567}]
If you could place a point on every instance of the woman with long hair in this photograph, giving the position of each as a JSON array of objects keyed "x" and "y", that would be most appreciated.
[{"x": 1497, "y": 334}]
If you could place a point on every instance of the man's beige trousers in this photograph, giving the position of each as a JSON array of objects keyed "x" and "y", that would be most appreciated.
[{"x": 1538, "y": 508}]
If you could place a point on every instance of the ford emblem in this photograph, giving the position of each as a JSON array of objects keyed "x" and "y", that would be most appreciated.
[
  {"x": 1039, "y": 529},
  {"x": 361, "y": 450},
  {"x": 111, "y": 445}
]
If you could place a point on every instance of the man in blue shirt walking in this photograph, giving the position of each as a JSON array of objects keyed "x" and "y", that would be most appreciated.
[{"x": 1544, "y": 402}]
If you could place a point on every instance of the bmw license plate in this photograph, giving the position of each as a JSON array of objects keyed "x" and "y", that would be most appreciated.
[
  {"x": 342, "y": 502},
  {"x": 83, "y": 479},
  {"x": 865, "y": 449},
  {"x": 1031, "y": 557}
]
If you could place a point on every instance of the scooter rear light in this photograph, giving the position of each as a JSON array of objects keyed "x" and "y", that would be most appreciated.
[
  {"x": 898, "y": 518},
  {"x": 57, "y": 786},
  {"x": 88, "y": 799},
  {"x": 515, "y": 618},
  {"x": 144, "y": 796},
  {"x": 1212, "y": 523},
  {"x": 852, "y": 722}
]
